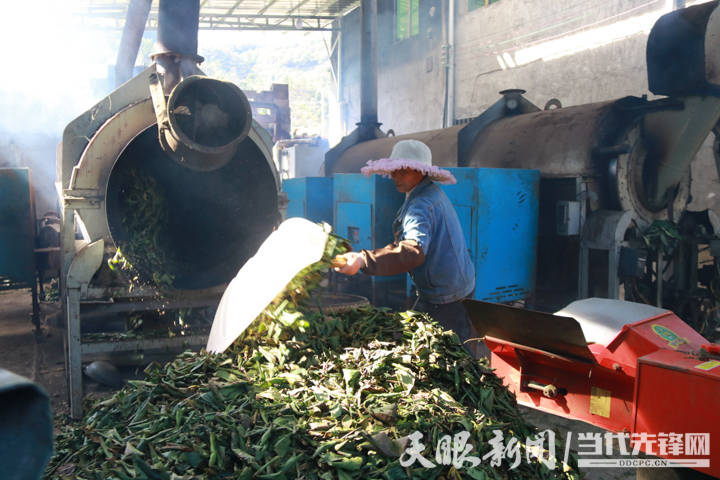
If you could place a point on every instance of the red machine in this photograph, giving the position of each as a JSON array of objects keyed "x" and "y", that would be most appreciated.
[{"x": 622, "y": 366}]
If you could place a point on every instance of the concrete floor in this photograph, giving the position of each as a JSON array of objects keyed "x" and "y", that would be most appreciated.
[{"x": 41, "y": 359}]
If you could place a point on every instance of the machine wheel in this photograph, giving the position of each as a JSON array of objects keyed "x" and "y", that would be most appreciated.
[{"x": 628, "y": 183}]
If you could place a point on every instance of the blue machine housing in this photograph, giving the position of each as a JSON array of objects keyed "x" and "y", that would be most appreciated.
[
  {"x": 498, "y": 211},
  {"x": 310, "y": 198},
  {"x": 364, "y": 209},
  {"x": 497, "y": 208}
]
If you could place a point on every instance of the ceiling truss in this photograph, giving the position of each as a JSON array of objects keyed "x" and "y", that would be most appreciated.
[{"x": 287, "y": 15}]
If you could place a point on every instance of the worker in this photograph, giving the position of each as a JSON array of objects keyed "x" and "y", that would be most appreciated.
[{"x": 428, "y": 239}]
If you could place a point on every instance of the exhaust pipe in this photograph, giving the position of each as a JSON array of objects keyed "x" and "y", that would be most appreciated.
[{"x": 203, "y": 120}]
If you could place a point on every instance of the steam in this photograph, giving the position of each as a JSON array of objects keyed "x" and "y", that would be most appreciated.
[{"x": 54, "y": 68}]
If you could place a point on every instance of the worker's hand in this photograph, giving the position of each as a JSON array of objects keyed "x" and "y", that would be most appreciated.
[{"x": 354, "y": 261}]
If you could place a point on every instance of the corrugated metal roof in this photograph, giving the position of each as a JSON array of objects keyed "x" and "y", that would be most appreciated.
[{"x": 229, "y": 14}]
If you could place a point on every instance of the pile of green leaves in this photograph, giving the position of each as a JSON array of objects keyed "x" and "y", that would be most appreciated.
[
  {"x": 300, "y": 395},
  {"x": 52, "y": 292},
  {"x": 145, "y": 218},
  {"x": 662, "y": 236}
]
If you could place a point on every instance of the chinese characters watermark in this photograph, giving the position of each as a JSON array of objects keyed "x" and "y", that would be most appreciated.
[{"x": 456, "y": 450}]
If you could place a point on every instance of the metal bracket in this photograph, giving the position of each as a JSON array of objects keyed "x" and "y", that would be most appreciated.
[
  {"x": 603, "y": 230},
  {"x": 160, "y": 106},
  {"x": 81, "y": 198},
  {"x": 84, "y": 265}
]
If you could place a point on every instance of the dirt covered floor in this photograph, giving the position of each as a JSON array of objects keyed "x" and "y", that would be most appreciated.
[
  {"x": 37, "y": 357},
  {"x": 41, "y": 358}
]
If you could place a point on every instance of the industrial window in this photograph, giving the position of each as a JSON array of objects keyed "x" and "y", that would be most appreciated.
[
  {"x": 407, "y": 18},
  {"x": 473, "y": 4}
]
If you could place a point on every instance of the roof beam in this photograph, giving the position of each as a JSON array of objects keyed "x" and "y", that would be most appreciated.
[
  {"x": 231, "y": 10},
  {"x": 267, "y": 6},
  {"x": 297, "y": 6}
]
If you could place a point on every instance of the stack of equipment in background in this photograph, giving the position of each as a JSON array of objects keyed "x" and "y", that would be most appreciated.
[{"x": 497, "y": 208}]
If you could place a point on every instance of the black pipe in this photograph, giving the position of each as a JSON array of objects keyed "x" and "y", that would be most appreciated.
[
  {"x": 137, "y": 16},
  {"x": 368, "y": 128},
  {"x": 368, "y": 68},
  {"x": 178, "y": 22}
]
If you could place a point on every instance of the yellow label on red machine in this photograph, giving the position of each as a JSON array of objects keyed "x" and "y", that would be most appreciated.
[
  {"x": 708, "y": 365},
  {"x": 600, "y": 401},
  {"x": 674, "y": 340}
]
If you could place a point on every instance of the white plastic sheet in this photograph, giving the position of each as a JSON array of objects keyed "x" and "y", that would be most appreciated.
[{"x": 296, "y": 244}]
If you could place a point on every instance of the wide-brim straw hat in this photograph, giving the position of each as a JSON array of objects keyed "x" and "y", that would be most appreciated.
[{"x": 409, "y": 154}]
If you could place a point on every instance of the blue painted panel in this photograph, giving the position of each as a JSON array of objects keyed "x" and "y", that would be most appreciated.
[
  {"x": 354, "y": 222},
  {"x": 378, "y": 193},
  {"x": 387, "y": 201},
  {"x": 352, "y": 187},
  {"x": 465, "y": 191},
  {"x": 465, "y": 215},
  {"x": 320, "y": 197},
  {"x": 295, "y": 191},
  {"x": 16, "y": 225},
  {"x": 310, "y": 197},
  {"x": 364, "y": 212},
  {"x": 503, "y": 230}
]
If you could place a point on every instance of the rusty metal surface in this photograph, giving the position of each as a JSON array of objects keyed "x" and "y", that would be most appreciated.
[
  {"x": 204, "y": 122},
  {"x": 540, "y": 331},
  {"x": 251, "y": 175},
  {"x": 557, "y": 142},
  {"x": 442, "y": 143}
]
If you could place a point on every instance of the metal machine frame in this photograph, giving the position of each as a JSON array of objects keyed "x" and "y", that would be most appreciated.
[
  {"x": 606, "y": 362},
  {"x": 91, "y": 144}
]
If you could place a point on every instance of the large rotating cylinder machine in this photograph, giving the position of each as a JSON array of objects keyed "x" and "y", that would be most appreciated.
[
  {"x": 190, "y": 137},
  {"x": 607, "y": 168}
]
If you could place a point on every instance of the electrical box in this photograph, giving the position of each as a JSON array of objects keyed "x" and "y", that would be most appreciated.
[
  {"x": 17, "y": 229},
  {"x": 310, "y": 198},
  {"x": 364, "y": 210}
]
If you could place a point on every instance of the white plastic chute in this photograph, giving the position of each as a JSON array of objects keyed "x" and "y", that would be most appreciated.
[{"x": 295, "y": 244}]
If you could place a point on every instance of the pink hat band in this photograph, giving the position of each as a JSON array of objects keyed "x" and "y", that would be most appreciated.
[{"x": 385, "y": 166}]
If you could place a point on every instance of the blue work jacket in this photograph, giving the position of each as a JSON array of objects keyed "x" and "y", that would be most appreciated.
[{"x": 428, "y": 217}]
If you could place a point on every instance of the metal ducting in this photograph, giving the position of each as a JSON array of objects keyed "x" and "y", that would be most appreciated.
[{"x": 203, "y": 122}]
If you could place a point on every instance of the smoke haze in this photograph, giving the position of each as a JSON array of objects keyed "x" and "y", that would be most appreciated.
[{"x": 54, "y": 68}]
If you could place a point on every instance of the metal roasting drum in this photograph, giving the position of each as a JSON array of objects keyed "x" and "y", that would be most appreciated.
[{"x": 193, "y": 139}]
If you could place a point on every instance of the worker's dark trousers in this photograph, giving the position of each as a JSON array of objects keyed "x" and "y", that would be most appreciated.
[{"x": 453, "y": 316}]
